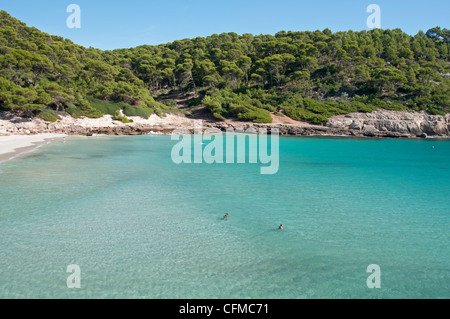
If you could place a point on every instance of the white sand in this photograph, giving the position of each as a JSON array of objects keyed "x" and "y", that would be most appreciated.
[{"x": 11, "y": 145}]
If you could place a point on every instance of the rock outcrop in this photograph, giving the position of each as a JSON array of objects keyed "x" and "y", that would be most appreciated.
[
  {"x": 384, "y": 123},
  {"x": 381, "y": 123}
]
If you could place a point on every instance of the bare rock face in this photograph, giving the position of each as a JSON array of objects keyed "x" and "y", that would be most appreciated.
[{"x": 393, "y": 123}]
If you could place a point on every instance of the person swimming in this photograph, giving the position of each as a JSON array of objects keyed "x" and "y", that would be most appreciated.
[
  {"x": 226, "y": 216},
  {"x": 281, "y": 227}
]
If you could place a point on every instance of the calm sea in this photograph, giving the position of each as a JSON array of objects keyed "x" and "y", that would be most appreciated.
[{"x": 140, "y": 226}]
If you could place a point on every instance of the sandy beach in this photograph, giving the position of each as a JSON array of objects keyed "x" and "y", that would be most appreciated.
[{"x": 13, "y": 145}]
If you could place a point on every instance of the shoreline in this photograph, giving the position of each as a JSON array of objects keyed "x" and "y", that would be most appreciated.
[
  {"x": 378, "y": 124},
  {"x": 13, "y": 146}
]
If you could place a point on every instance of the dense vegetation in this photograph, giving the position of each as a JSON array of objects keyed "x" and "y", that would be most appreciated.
[{"x": 307, "y": 75}]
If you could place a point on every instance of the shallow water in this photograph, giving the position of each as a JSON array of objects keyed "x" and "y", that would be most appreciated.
[{"x": 140, "y": 226}]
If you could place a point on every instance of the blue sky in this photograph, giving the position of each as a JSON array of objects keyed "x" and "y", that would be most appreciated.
[{"x": 123, "y": 24}]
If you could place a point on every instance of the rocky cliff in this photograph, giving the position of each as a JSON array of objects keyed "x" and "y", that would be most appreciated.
[
  {"x": 382, "y": 123},
  {"x": 392, "y": 123}
]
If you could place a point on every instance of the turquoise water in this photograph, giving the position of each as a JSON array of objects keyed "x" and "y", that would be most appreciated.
[{"x": 140, "y": 226}]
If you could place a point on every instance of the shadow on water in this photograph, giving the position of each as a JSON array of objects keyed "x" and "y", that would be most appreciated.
[{"x": 89, "y": 157}]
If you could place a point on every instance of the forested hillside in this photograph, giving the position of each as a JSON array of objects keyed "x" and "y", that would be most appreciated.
[{"x": 307, "y": 75}]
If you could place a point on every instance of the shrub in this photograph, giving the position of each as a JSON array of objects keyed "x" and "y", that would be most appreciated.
[
  {"x": 143, "y": 112},
  {"x": 119, "y": 117},
  {"x": 256, "y": 116},
  {"x": 170, "y": 103},
  {"x": 74, "y": 111},
  {"x": 48, "y": 115},
  {"x": 226, "y": 103},
  {"x": 84, "y": 108},
  {"x": 106, "y": 107},
  {"x": 435, "y": 111}
]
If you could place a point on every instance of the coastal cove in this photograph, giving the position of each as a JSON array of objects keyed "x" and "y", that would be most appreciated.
[
  {"x": 308, "y": 159},
  {"x": 141, "y": 226}
]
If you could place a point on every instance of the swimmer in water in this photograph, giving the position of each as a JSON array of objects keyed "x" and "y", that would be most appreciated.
[
  {"x": 226, "y": 216},
  {"x": 281, "y": 227}
]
